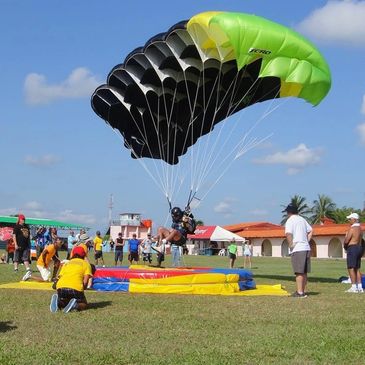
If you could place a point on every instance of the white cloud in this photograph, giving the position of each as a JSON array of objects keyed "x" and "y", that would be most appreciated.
[
  {"x": 8, "y": 211},
  {"x": 80, "y": 83},
  {"x": 296, "y": 159},
  {"x": 337, "y": 22},
  {"x": 361, "y": 130},
  {"x": 70, "y": 217},
  {"x": 259, "y": 212},
  {"x": 33, "y": 205},
  {"x": 225, "y": 207},
  {"x": 42, "y": 161},
  {"x": 363, "y": 105}
]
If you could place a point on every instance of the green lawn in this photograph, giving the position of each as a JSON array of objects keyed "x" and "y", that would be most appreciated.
[{"x": 325, "y": 328}]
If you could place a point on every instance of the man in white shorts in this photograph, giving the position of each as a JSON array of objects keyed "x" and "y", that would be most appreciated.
[{"x": 49, "y": 255}]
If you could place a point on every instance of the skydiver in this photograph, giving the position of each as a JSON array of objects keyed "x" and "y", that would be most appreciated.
[{"x": 182, "y": 225}]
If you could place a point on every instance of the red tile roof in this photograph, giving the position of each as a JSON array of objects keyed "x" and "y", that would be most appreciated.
[{"x": 269, "y": 230}]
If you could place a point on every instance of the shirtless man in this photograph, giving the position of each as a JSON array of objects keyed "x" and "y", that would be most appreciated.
[{"x": 352, "y": 245}]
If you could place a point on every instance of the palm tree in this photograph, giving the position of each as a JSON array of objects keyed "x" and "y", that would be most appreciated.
[
  {"x": 322, "y": 207},
  {"x": 302, "y": 206}
]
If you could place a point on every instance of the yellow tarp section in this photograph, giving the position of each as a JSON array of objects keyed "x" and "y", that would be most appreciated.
[
  {"x": 34, "y": 285},
  {"x": 203, "y": 289},
  {"x": 206, "y": 289}
]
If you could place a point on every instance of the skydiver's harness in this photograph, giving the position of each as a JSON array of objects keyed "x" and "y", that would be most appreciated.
[{"x": 186, "y": 225}]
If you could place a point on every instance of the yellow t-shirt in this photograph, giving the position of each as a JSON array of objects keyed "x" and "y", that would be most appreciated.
[
  {"x": 98, "y": 243},
  {"x": 72, "y": 274},
  {"x": 51, "y": 249}
]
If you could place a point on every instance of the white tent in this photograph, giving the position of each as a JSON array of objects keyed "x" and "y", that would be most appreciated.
[
  {"x": 204, "y": 235},
  {"x": 222, "y": 235}
]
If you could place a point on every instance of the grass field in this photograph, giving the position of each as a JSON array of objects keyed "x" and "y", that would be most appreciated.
[{"x": 325, "y": 328}]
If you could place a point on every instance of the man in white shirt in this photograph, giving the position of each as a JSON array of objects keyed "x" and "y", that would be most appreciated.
[{"x": 298, "y": 234}]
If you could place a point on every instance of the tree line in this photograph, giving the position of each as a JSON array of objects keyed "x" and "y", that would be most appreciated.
[{"x": 322, "y": 207}]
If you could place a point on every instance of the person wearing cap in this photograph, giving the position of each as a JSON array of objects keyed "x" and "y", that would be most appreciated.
[
  {"x": 119, "y": 247},
  {"x": 353, "y": 247},
  {"x": 72, "y": 281},
  {"x": 84, "y": 242},
  {"x": 71, "y": 241},
  {"x": 98, "y": 249},
  {"x": 21, "y": 238},
  {"x": 48, "y": 255},
  {"x": 147, "y": 248},
  {"x": 298, "y": 234}
]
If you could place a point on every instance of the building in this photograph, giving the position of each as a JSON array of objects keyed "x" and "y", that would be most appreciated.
[
  {"x": 269, "y": 239},
  {"x": 130, "y": 223}
]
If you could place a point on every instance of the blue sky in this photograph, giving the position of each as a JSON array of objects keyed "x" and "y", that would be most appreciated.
[{"x": 62, "y": 161}]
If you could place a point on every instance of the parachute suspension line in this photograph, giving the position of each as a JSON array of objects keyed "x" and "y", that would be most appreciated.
[
  {"x": 210, "y": 161},
  {"x": 243, "y": 145},
  {"x": 171, "y": 179},
  {"x": 198, "y": 163},
  {"x": 140, "y": 161}
]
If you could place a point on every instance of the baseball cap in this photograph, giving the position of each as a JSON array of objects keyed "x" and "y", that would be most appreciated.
[
  {"x": 353, "y": 216},
  {"x": 291, "y": 208},
  {"x": 21, "y": 216},
  {"x": 79, "y": 251}
]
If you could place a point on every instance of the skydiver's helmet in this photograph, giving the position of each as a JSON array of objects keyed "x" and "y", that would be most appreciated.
[{"x": 176, "y": 214}]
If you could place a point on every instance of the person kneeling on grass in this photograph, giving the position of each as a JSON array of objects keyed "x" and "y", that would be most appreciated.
[
  {"x": 48, "y": 255},
  {"x": 73, "y": 279}
]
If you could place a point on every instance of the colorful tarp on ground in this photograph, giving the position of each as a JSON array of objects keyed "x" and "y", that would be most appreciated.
[
  {"x": 196, "y": 280},
  {"x": 146, "y": 279}
]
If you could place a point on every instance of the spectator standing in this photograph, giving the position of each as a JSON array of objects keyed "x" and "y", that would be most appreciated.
[
  {"x": 133, "y": 249},
  {"x": 119, "y": 247},
  {"x": 10, "y": 249},
  {"x": 353, "y": 247},
  {"x": 232, "y": 252},
  {"x": 98, "y": 249},
  {"x": 21, "y": 238},
  {"x": 111, "y": 244},
  {"x": 42, "y": 239},
  {"x": 147, "y": 249},
  {"x": 78, "y": 235},
  {"x": 48, "y": 255},
  {"x": 73, "y": 280},
  {"x": 71, "y": 241},
  {"x": 247, "y": 254},
  {"x": 298, "y": 234}
]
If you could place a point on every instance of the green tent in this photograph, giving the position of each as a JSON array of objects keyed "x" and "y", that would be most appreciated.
[{"x": 6, "y": 220}]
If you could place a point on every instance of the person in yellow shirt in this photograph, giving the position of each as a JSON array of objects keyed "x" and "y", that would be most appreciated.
[
  {"x": 98, "y": 249},
  {"x": 73, "y": 279},
  {"x": 48, "y": 256}
]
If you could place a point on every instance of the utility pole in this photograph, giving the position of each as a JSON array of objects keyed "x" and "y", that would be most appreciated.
[{"x": 110, "y": 209}]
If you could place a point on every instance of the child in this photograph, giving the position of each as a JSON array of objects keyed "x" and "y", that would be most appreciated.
[
  {"x": 3, "y": 259},
  {"x": 10, "y": 249}
]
